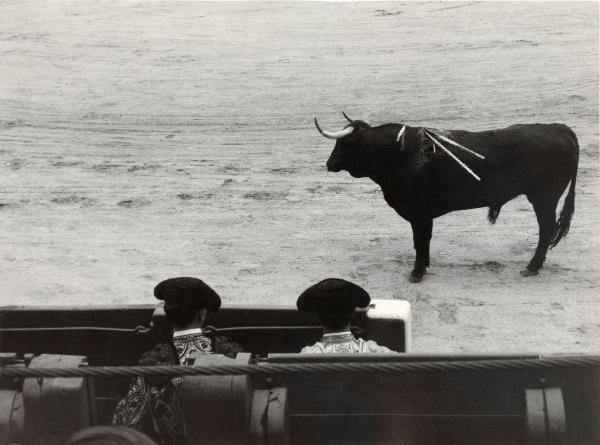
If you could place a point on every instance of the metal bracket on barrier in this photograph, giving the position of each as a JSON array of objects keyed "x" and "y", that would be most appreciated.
[
  {"x": 269, "y": 417},
  {"x": 56, "y": 407},
  {"x": 217, "y": 407},
  {"x": 546, "y": 420}
]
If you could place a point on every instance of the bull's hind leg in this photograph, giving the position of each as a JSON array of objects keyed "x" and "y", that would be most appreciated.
[{"x": 545, "y": 211}]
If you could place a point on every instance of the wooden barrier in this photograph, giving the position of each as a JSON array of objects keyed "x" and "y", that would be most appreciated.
[
  {"x": 528, "y": 405},
  {"x": 387, "y": 321},
  {"x": 496, "y": 407},
  {"x": 549, "y": 406},
  {"x": 55, "y": 408}
]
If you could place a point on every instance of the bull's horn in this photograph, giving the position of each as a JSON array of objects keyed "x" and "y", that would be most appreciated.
[
  {"x": 346, "y": 116},
  {"x": 337, "y": 135}
]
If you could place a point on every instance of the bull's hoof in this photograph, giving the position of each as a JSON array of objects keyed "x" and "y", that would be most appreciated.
[
  {"x": 415, "y": 277},
  {"x": 529, "y": 273}
]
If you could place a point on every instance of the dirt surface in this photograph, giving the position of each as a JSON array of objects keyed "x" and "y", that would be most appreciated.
[{"x": 143, "y": 140}]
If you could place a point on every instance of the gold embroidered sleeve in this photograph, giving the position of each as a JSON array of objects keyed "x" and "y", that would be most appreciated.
[
  {"x": 373, "y": 347},
  {"x": 130, "y": 410},
  {"x": 314, "y": 349}
]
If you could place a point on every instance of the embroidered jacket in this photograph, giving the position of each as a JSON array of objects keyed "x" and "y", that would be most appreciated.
[
  {"x": 344, "y": 343},
  {"x": 153, "y": 405}
]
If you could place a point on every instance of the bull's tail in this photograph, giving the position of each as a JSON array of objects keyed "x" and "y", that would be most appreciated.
[{"x": 564, "y": 221}]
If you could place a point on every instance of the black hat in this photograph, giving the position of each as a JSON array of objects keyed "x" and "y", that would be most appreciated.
[
  {"x": 335, "y": 293},
  {"x": 188, "y": 290}
]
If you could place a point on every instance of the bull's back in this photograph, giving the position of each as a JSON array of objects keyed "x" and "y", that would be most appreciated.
[
  {"x": 518, "y": 160},
  {"x": 526, "y": 150},
  {"x": 519, "y": 139}
]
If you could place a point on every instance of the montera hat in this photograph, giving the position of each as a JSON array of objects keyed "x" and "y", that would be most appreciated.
[
  {"x": 189, "y": 291},
  {"x": 333, "y": 293}
]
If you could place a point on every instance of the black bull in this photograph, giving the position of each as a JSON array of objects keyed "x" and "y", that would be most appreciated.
[{"x": 537, "y": 160}]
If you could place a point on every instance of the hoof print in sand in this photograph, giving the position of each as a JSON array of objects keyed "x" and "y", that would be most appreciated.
[
  {"x": 73, "y": 199},
  {"x": 492, "y": 266},
  {"x": 133, "y": 203},
  {"x": 189, "y": 197},
  {"x": 447, "y": 313},
  {"x": 385, "y": 13},
  {"x": 264, "y": 196},
  {"x": 136, "y": 168}
]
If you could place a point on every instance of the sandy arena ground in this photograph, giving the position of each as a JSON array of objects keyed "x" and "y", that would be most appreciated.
[{"x": 142, "y": 140}]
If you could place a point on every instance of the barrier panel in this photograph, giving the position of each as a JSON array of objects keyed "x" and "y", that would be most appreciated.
[
  {"x": 54, "y": 408},
  {"x": 106, "y": 335},
  {"x": 428, "y": 404},
  {"x": 468, "y": 406},
  {"x": 496, "y": 401}
]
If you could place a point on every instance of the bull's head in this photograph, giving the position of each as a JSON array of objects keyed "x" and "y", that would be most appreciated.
[{"x": 353, "y": 151}]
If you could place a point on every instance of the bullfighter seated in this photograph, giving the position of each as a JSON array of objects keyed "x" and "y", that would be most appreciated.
[{"x": 334, "y": 301}]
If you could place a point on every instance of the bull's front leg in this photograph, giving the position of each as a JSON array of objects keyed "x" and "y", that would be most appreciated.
[{"x": 421, "y": 237}]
